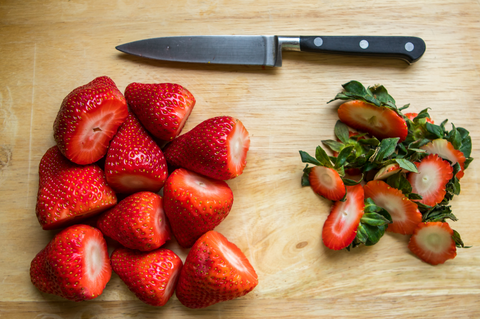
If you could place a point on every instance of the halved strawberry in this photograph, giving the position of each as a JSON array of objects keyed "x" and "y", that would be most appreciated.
[
  {"x": 433, "y": 243},
  {"x": 446, "y": 150},
  {"x": 215, "y": 270},
  {"x": 88, "y": 119},
  {"x": 327, "y": 182},
  {"x": 216, "y": 148},
  {"x": 433, "y": 175},
  {"x": 74, "y": 265},
  {"x": 411, "y": 116},
  {"x": 134, "y": 162},
  {"x": 380, "y": 122},
  {"x": 405, "y": 214},
  {"x": 341, "y": 225}
]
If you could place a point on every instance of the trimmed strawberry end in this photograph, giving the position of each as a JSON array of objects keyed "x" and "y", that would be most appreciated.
[
  {"x": 327, "y": 182},
  {"x": 238, "y": 143},
  {"x": 445, "y": 150},
  {"x": 387, "y": 171},
  {"x": 432, "y": 242},
  {"x": 431, "y": 180}
]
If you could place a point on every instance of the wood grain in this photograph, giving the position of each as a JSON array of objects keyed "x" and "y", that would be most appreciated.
[{"x": 48, "y": 48}]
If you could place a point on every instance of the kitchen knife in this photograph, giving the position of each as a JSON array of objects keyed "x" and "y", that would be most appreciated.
[{"x": 267, "y": 49}]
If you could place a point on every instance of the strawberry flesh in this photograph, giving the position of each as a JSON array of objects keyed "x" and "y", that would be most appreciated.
[
  {"x": 216, "y": 148},
  {"x": 433, "y": 243},
  {"x": 152, "y": 276},
  {"x": 327, "y": 182},
  {"x": 74, "y": 265},
  {"x": 68, "y": 192},
  {"x": 134, "y": 161},
  {"x": 137, "y": 222},
  {"x": 431, "y": 180},
  {"x": 380, "y": 122},
  {"x": 405, "y": 214},
  {"x": 163, "y": 108},
  {"x": 445, "y": 150},
  {"x": 195, "y": 204},
  {"x": 88, "y": 119},
  {"x": 341, "y": 225},
  {"x": 215, "y": 270}
]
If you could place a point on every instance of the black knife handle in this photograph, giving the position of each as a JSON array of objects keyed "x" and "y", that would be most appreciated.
[{"x": 409, "y": 49}]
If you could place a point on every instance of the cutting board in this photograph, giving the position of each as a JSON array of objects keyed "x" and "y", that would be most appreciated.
[{"x": 48, "y": 48}]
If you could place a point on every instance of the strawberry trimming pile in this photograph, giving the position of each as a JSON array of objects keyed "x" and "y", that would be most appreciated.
[
  {"x": 389, "y": 171},
  {"x": 114, "y": 155}
]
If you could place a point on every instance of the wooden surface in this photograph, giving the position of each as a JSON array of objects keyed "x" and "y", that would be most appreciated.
[{"x": 47, "y": 48}]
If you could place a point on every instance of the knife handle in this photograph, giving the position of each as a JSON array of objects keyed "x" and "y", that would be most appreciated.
[{"x": 409, "y": 49}]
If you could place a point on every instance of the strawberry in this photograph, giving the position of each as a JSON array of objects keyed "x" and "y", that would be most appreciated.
[
  {"x": 380, "y": 121},
  {"x": 411, "y": 116},
  {"x": 216, "y": 148},
  {"x": 445, "y": 150},
  {"x": 137, "y": 222},
  {"x": 433, "y": 243},
  {"x": 341, "y": 225},
  {"x": 327, "y": 182},
  {"x": 405, "y": 214},
  {"x": 215, "y": 270},
  {"x": 387, "y": 171},
  {"x": 163, "y": 108},
  {"x": 134, "y": 162},
  {"x": 152, "y": 276},
  {"x": 74, "y": 264},
  {"x": 195, "y": 204},
  {"x": 68, "y": 192},
  {"x": 431, "y": 180},
  {"x": 88, "y": 119}
]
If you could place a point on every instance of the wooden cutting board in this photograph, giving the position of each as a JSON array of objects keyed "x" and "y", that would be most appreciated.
[{"x": 48, "y": 48}]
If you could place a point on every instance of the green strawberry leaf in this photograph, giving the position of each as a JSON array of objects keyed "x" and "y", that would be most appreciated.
[
  {"x": 381, "y": 94},
  {"x": 322, "y": 157},
  {"x": 399, "y": 181},
  {"x": 407, "y": 165},
  {"x": 307, "y": 158},
  {"x": 439, "y": 214},
  {"x": 341, "y": 131},
  {"x": 458, "y": 240},
  {"x": 343, "y": 155},
  {"x": 334, "y": 145},
  {"x": 434, "y": 130},
  {"x": 305, "y": 179},
  {"x": 386, "y": 148}
]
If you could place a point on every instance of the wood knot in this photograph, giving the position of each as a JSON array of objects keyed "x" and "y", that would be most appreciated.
[{"x": 302, "y": 244}]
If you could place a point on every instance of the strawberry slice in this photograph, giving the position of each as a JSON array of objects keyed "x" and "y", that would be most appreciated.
[
  {"x": 341, "y": 225},
  {"x": 431, "y": 179},
  {"x": 163, "y": 108},
  {"x": 380, "y": 122},
  {"x": 216, "y": 148},
  {"x": 195, "y": 204},
  {"x": 433, "y": 243},
  {"x": 445, "y": 150},
  {"x": 74, "y": 265},
  {"x": 137, "y": 222},
  {"x": 152, "y": 276},
  {"x": 215, "y": 270},
  {"x": 327, "y": 182},
  {"x": 405, "y": 214},
  {"x": 88, "y": 119},
  {"x": 134, "y": 162},
  {"x": 411, "y": 116}
]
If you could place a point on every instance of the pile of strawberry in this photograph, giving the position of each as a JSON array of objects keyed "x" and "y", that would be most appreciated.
[
  {"x": 389, "y": 172},
  {"x": 108, "y": 164}
]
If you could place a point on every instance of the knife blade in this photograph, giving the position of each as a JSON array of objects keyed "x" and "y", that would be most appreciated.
[{"x": 267, "y": 49}]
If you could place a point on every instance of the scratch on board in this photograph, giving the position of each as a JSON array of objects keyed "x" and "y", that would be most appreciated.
[{"x": 31, "y": 124}]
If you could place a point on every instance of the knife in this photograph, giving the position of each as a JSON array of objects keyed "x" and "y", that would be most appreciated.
[{"x": 267, "y": 49}]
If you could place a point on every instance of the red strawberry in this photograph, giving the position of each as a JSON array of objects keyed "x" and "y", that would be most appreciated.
[
  {"x": 162, "y": 108},
  {"x": 74, "y": 265},
  {"x": 216, "y": 148},
  {"x": 387, "y": 171},
  {"x": 152, "y": 276},
  {"x": 341, "y": 225},
  {"x": 215, "y": 270},
  {"x": 431, "y": 179},
  {"x": 195, "y": 204},
  {"x": 137, "y": 222},
  {"x": 134, "y": 161},
  {"x": 327, "y": 182},
  {"x": 380, "y": 122},
  {"x": 432, "y": 242},
  {"x": 68, "y": 192},
  {"x": 445, "y": 150},
  {"x": 88, "y": 119},
  {"x": 411, "y": 116},
  {"x": 405, "y": 214}
]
